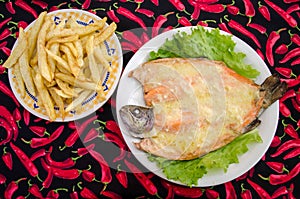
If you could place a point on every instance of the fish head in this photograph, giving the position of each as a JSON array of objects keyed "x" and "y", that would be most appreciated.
[{"x": 139, "y": 120}]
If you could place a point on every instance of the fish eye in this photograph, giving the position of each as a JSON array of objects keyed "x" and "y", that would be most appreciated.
[{"x": 136, "y": 112}]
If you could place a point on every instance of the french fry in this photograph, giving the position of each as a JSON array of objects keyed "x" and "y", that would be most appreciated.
[
  {"x": 101, "y": 58},
  {"x": 65, "y": 87},
  {"x": 33, "y": 33},
  {"x": 19, "y": 79},
  {"x": 78, "y": 83},
  {"x": 74, "y": 68},
  {"x": 95, "y": 70},
  {"x": 60, "y": 60},
  {"x": 61, "y": 93},
  {"x": 44, "y": 68},
  {"x": 54, "y": 48},
  {"x": 70, "y": 38},
  {"x": 19, "y": 48},
  {"x": 45, "y": 97},
  {"x": 26, "y": 72},
  {"x": 77, "y": 101},
  {"x": 34, "y": 60},
  {"x": 102, "y": 36},
  {"x": 58, "y": 101},
  {"x": 49, "y": 84},
  {"x": 73, "y": 49},
  {"x": 81, "y": 31},
  {"x": 79, "y": 56}
]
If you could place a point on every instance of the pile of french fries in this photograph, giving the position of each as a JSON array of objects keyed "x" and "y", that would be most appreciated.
[{"x": 61, "y": 64}]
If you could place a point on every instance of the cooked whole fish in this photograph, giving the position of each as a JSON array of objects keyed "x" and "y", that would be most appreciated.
[{"x": 195, "y": 106}]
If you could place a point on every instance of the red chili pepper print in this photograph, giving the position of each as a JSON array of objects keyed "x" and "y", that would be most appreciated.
[
  {"x": 40, "y": 3},
  {"x": 4, "y": 89},
  {"x": 67, "y": 163},
  {"x": 132, "y": 37},
  {"x": 264, "y": 11},
  {"x": 73, "y": 137},
  {"x": 240, "y": 28},
  {"x": 23, "y": 5},
  {"x": 39, "y": 153},
  {"x": 88, "y": 194},
  {"x": 291, "y": 154},
  {"x": 271, "y": 41},
  {"x": 105, "y": 169},
  {"x": 111, "y": 14},
  {"x": 290, "y": 93},
  {"x": 196, "y": 13},
  {"x": 245, "y": 193},
  {"x": 142, "y": 178},
  {"x": 5, "y": 21},
  {"x": 211, "y": 194},
  {"x": 281, "y": 49},
  {"x": 26, "y": 117},
  {"x": 27, "y": 163},
  {"x": 2, "y": 179},
  {"x": 259, "y": 190},
  {"x": 9, "y": 131},
  {"x": 10, "y": 8},
  {"x": 277, "y": 166},
  {"x": 286, "y": 72},
  {"x": 39, "y": 130},
  {"x": 111, "y": 195},
  {"x": 249, "y": 8},
  {"x": 293, "y": 8},
  {"x": 290, "y": 55},
  {"x": 122, "y": 177},
  {"x": 86, "y": 4},
  {"x": 17, "y": 116},
  {"x": 288, "y": 18},
  {"x": 47, "y": 182},
  {"x": 12, "y": 187},
  {"x": 183, "y": 21},
  {"x": 290, "y": 144},
  {"x": 116, "y": 140},
  {"x": 147, "y": 12},
  {"x": 7, "y": 159},
  {"x": 280, "y": 192},
  {"x": 158, "y": 23},
  {"x": 212, "y": 8},
  {"x": 128, "y": 14},
  {"x": 290, "y": 191},
  {"x": 177, "y": 4},
  {"x": 187, "y": 191},
  {"x": 296, "y": 62},
  {"x": 290, "y": 1},
  {"x": 276, "y": 179},
  {"x": 35, "y": 191},
  {"x": 230, "y": 191},
  {"x": 295, "y": 38},
  {"x": 5, "y": 114},
  {"x": 258, "y": 27},
  {"x": 233, "y": 9},
  {"x": 43, "y": 141}
]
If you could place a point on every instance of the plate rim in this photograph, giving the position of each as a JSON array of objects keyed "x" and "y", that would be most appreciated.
[
  {"x": 95, "y": 107},
  {"x": 187, "y": 29}
]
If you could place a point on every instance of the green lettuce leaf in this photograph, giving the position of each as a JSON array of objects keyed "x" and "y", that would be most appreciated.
[
  {"x": 203, "y": 43},
  {"x": 188, "y": 172}
]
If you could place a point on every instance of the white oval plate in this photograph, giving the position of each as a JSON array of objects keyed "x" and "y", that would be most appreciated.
[
  {"x": 130, "y": 92},
  {"x": 92, "y": 103}
]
